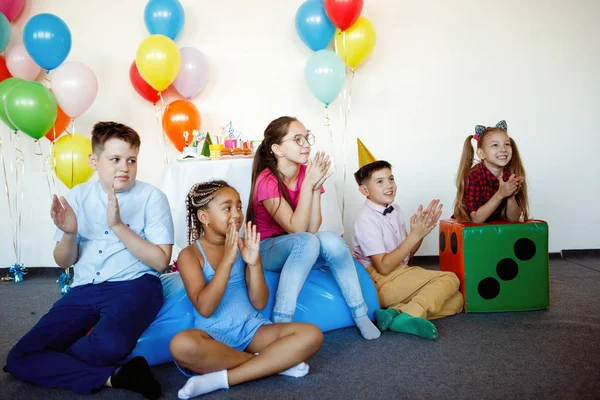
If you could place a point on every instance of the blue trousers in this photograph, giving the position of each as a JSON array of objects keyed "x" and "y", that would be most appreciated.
[{"x": 56, "y": 352}]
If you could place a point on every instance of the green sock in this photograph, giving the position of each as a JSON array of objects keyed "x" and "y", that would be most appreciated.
[
  {"x": 384, "y": 318},
  {"x": 416, "y": 326}
]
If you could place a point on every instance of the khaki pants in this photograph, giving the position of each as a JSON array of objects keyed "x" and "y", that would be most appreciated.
[{"x": 418, "y": 292}]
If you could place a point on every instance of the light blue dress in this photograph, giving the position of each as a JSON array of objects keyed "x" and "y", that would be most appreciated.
[{"x": 235, "y": 321}]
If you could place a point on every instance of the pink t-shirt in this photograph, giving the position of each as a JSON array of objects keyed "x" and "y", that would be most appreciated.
[{"x": 268, "y": 188}]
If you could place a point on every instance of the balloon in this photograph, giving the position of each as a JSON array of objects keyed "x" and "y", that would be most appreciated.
[
  {"x": 31, "y": 108},
  {"x": 343, "y": 13},
  {"x": 47, "y": 39},
  {"x": 20, "y": 64},
  {"x": 6, "y": 86},
  {"x": 141, "y": 86},
  {"x": 61, "y": 124},
  {"x": 75, "y": 87},
  {"x": 11, "y": 8},
  {"x": 193, "y": 73},
  {"x": 355, "y": 44},
  {"x": 4, "y": 72},
  {"x": 158, "y": 61},
  {"x": 325, "y": 74},
  {"x": 70, "y": 159},
  {"x": 164, "y": 17},
  {"x": 313, "y": 26},
  {"x": 4, "y": 32},
  {"x": 180, "y": 116}
]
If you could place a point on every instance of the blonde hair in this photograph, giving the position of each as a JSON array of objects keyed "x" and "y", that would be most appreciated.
[{"x": 465, "y": 166}]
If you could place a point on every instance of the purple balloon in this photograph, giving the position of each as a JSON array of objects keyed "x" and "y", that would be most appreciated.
[{"x": 193, "y": 73}]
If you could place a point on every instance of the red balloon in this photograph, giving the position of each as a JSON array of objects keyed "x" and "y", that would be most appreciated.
[
  {"x": 61, "y": 124},
  {"x": 180, "y": 116},
  {"x": 343, "y": 13},
  {"x": 141, "y": 86},
  {"x": 4, "y": 72}
]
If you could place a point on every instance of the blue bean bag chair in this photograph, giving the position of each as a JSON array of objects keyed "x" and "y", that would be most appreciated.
[
  {"x": 176, "y": 315},
  {"x": 320, "y": 302}
]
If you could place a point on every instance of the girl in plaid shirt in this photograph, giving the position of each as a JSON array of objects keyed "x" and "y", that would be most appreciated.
[{"x": 495, "y": 187}]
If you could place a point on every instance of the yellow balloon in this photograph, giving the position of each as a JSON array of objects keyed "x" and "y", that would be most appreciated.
[
  {"x": 356, "y": 43},
  {"x": 158, "y": 61},
  {"x": 70, "y": 159}
]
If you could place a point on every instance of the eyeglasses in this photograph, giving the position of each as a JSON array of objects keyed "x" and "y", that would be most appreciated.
[{"x": 302, "y": 140}]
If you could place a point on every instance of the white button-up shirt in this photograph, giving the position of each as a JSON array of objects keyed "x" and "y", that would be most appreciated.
[
  {"x": 102, "y": 256},
  {"x": 375, "y": 233}
]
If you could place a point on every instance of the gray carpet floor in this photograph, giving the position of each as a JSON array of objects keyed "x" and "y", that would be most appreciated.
[{"x": 552, "y": 353}]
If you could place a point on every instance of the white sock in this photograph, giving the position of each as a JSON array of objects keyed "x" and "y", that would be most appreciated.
[
  {"x": 366, "y": 327},
  {"x": 202, "y": 384},
  {"x": 297, "y": 371}
]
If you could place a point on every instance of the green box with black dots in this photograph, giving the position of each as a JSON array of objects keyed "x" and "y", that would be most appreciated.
[{"x": 501, "y": 266}]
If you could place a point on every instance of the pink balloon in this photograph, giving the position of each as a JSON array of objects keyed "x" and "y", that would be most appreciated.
[
  {"x": 75, "y": 87},
  {"x": 20, "y": 64},
  {"x": 11, "y": 8},
  {"x": 193, "y": 73}
]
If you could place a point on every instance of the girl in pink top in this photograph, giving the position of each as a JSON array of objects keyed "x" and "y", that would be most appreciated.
[{"x": 285, "y": 206}]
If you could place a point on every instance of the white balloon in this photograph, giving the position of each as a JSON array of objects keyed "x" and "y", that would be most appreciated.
[
  {"x": 75, "y": 87},
  {"x": 20, "y": 64}
]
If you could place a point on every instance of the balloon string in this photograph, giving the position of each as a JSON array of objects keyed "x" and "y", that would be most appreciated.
[
  {"x": 8, "y": 194},
  {"x": 329, "y": 129},
  {"x": 346, "y": 119},
  {"x": 48, "y": 82},
  {"x": 162, "y": 137},
  {"x": 49, "y": 177},
  {"x": 18, "y": 203},
  {"x": 72, "y": 153}
]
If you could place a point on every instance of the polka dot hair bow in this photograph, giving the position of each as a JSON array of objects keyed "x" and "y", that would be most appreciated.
[{"x": 479, "y": 129}]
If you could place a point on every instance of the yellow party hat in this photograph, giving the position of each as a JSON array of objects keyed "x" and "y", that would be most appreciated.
[{"x": 364, "y": 155}]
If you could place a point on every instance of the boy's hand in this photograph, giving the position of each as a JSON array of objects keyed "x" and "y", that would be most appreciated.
[
  {"x": 63, "y": 215},
  {"x": 231, "y": 245},
  {"x": 112, "y": 211},
  {"x": 422, "y": 222},
  {"x": 250, "y": 245},
  {"x": 435, "y": 210}
]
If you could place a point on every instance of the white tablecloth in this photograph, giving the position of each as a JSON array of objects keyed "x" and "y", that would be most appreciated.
[{"x": 179, "y": 177}]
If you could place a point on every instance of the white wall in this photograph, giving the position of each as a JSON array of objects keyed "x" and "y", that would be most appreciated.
[{"x": 438, "y": 68}]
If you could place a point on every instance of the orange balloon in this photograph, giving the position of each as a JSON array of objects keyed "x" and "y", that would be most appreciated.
[
  {"x": 180, "y": 116},
  {"x": 62, "y": 121}
]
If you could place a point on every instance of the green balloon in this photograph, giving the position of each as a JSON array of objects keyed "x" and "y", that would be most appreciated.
[
  {"x": 5, "y": 87},
  {"x": 32, "y": 108}
]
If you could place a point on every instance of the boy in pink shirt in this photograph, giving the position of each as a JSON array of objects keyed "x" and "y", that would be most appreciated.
[{"x": 412, "y": 295}]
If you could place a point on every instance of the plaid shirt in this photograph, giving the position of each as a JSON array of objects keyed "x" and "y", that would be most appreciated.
[{"x": 480, "y": 186}]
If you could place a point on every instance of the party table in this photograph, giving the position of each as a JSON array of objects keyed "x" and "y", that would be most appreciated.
[{"x": 180, "y": 175}]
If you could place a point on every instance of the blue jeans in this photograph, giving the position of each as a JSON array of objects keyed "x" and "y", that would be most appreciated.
[{"x": 295, "y": 255}]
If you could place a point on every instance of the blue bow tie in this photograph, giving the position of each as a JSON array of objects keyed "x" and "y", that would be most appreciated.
[{"x": 388, "y": 210}]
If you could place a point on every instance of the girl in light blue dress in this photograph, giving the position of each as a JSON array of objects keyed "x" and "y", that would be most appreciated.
[{"x": 232, "y": 342}]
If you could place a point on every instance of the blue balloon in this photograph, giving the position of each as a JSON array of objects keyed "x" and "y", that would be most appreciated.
[
  {"x": 47, "y": 39},
  {"x": 313, "y": 26},
  {"x": 4, "y": 32},
  {"x": 325, "y": 74},
  {"x": 164, "y": 17}
]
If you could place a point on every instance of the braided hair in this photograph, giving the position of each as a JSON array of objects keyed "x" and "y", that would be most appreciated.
[{"x": 200, "y": 195}]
